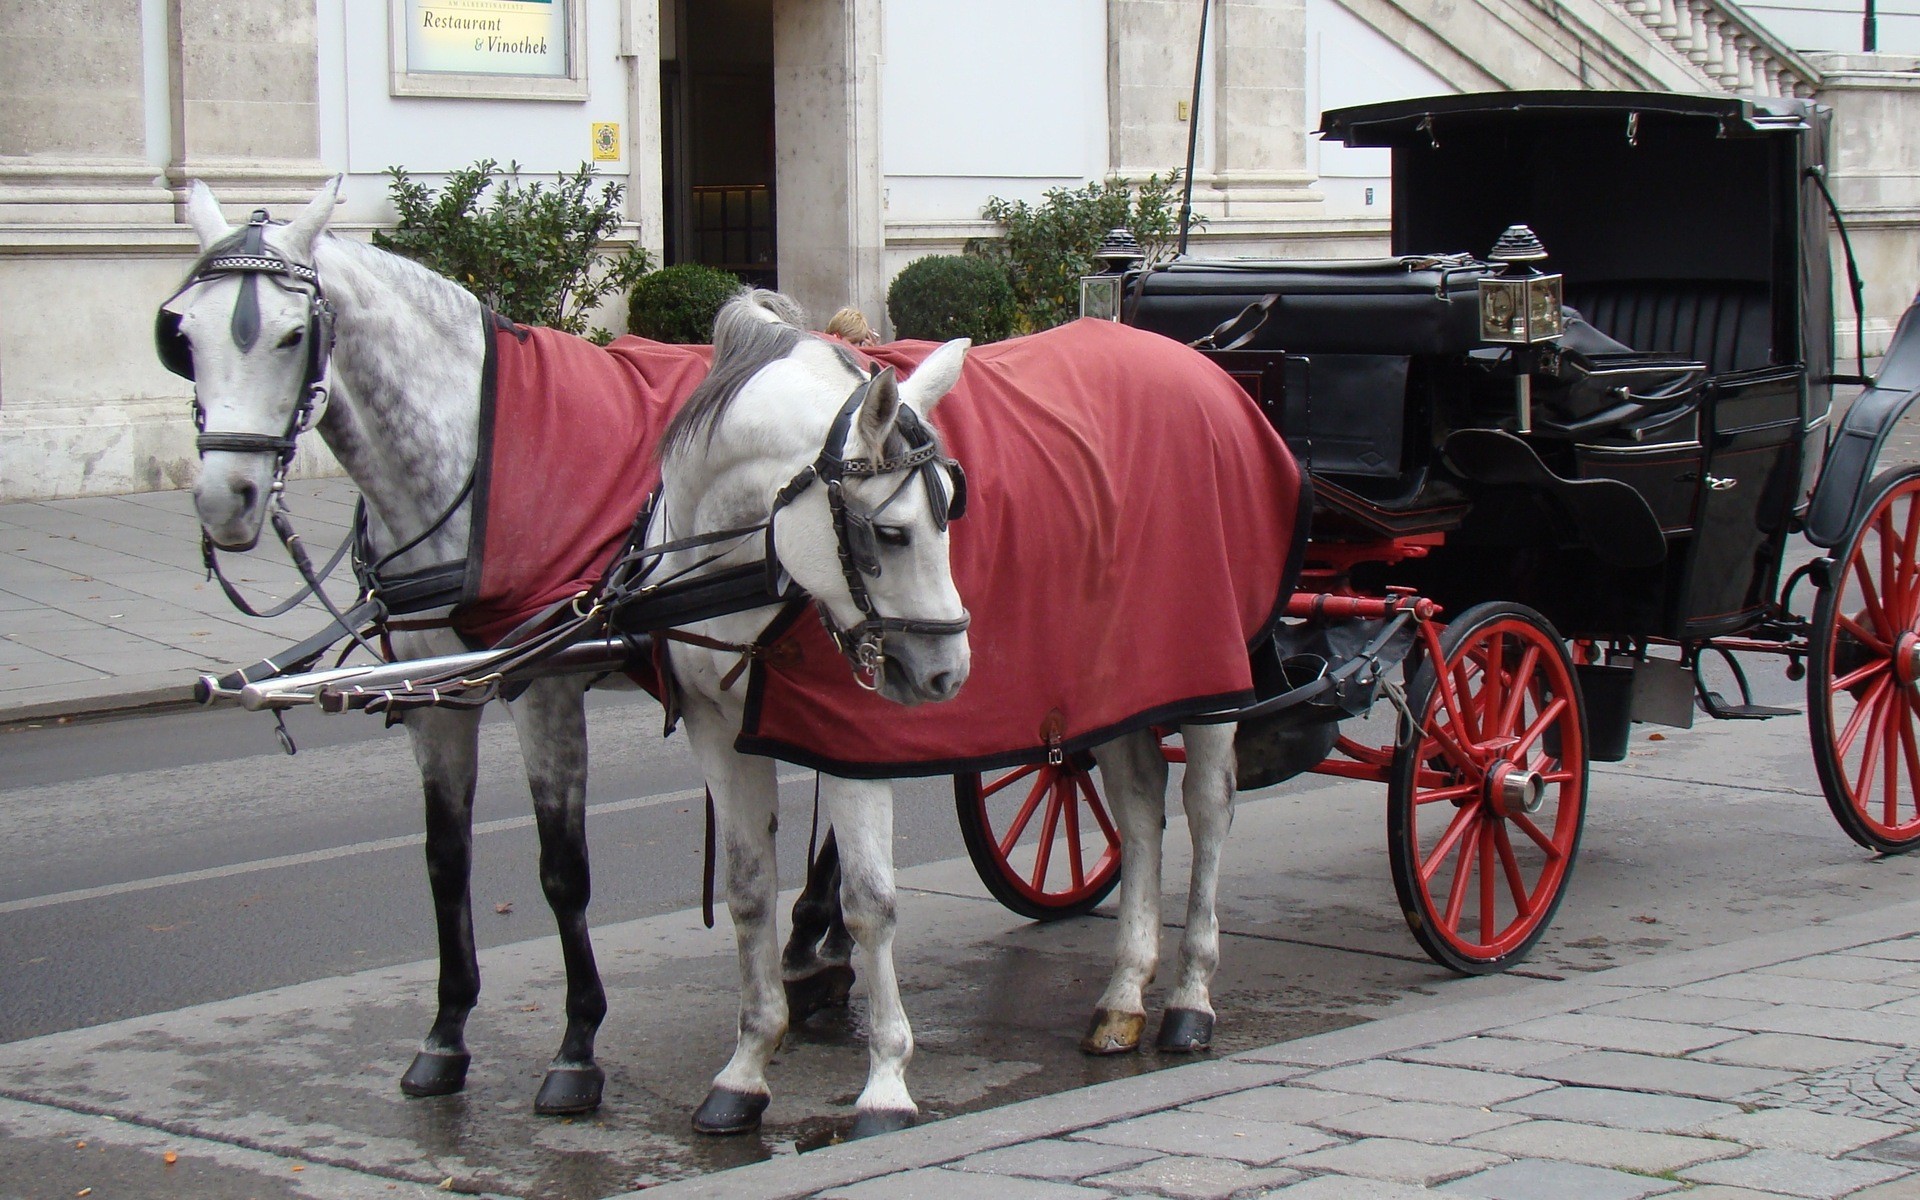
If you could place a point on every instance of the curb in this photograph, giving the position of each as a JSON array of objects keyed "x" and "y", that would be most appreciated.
[{"x": 105, "y": 700}]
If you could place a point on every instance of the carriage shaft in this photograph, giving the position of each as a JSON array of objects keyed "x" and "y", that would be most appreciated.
[{"x": 348, "y": 683}]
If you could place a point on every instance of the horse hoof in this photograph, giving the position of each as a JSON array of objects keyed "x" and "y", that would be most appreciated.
[
  {"x": 1113, "y": 1032},
  {"x": 569, "y": 1091},
  {"x": 435, "y": 1074},
  {"x": 882, "y": 1120},
  {"x": 726, "y": 1111},
  {"x": 1185, "y": 1031},
  {"x": 825, "y": 989}
]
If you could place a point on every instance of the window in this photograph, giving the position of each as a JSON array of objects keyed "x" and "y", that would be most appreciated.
[{"x": 489, "y": 49}]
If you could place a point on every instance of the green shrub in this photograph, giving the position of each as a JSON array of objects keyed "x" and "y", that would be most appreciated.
[
  {"x": 533, "y": 255},
  {"x": 949, "y": 296},
  {"x": 1047, "y": 248},
  {"x": 679, "y": 303}
]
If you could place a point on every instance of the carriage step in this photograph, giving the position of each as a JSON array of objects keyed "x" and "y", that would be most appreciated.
[{"x": 1719, "y": 709}]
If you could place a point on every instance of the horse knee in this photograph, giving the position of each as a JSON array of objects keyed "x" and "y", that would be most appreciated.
[{"x": 867, "y": 907}]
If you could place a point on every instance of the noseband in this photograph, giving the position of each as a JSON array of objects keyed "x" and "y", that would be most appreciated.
[
  {"x": 247, "y": 255},
  {"x": 864, "y": 644}
]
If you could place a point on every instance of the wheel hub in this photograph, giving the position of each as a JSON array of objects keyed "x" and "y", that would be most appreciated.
[
  {"x": 1513, "y": 788},
  {"x": 1906, "y": 660}
]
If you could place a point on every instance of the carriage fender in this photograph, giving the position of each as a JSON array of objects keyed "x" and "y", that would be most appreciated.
[
  {"x": 1848, "y": 469},
  {"x": 1611, "y": 519}
]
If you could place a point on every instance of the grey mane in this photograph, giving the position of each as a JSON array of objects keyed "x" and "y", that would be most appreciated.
[{"x": 744, "y": 341}]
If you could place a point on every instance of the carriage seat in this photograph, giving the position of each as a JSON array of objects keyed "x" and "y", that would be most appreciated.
[{"x": 1726, "y": 324}]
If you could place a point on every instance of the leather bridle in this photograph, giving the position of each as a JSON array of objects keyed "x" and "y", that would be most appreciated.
[{"x": 864, "y": 644}]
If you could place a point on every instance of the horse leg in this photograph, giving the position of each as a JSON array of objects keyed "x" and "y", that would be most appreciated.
[
  {"x": 746, "y": 806},
  {"x": 1135, "y": 776},
  {"x": 446, "y": 744},
  {"x": 551, "y": 720},
  {"x": 862, "y": 814},
  {"x": 817, "y": 966},
  {"x": 1207, "y": 791}
]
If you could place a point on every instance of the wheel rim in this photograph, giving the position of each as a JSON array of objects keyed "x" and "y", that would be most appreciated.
[
  {"x": 1870, "y": 682},
  {"x": 1053, "y": 840},
  {"x": 1498, "y": 787}
]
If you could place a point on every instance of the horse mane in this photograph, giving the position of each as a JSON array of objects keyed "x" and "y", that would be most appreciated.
[{"x": 753, "y": 329}]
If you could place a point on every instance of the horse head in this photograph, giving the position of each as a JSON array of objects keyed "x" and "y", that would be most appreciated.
[
  {"x": 252, "y": 330},
  {"x": 859, "y": 513}
]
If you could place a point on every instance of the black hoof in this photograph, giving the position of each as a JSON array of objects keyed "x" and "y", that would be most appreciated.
[
  {"x": 436, "y": 1074},
  {"x": 568, "y": 1091},
  {"x": 725, "y": 1111},
  {"x": 1185, "y": 1030},
  {"x": 872, "y": 1124},
  {"x": 825, "y": 989}
]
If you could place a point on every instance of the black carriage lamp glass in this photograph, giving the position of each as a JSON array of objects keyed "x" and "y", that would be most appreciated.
[
  {"x": 1100, "y": 294},
  {"x": 1519, "y": 305}
]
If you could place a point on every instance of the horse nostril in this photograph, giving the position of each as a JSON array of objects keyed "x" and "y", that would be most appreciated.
[
  {"x": 942, "y": 684},
  {"x": 246, "y": 493}
]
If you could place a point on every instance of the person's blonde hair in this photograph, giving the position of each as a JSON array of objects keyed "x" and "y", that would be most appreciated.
[{"x": 851, "y": 324}]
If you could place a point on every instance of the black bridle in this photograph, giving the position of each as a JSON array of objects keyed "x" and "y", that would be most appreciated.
[{"x": 864, "y": 644}]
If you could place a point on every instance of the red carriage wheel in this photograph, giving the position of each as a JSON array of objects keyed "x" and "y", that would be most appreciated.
[
  {"x": 1486, "y": 797},
  {"x": 1041, "y": 837},
  {"x": 1863, "y": 677}
]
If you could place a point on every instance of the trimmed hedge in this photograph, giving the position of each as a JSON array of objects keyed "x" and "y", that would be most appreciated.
[
  {"x": 949, "y": 296},
  {"x": 679, "y": 303}
]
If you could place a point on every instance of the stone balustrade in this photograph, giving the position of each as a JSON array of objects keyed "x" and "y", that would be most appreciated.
[{"x": 1726, "y": 47}]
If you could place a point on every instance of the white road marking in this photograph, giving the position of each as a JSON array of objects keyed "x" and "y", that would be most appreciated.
[{"x": 314, "y": 856}]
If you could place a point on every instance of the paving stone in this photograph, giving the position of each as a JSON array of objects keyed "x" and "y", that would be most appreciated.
[
  {"x": 1602, "y": 1146},
  {"x": 1792, "y": 1129},
  {"x": 1902, "y": 1151},
  {"x": 1419, "y": 1120},
  {"x": 1283, "y": 1103},
  {"x": 1897, "y": 1189},
  {"x": 1488, "y": 1053},
  {"x": 1621, "y": 1110},
  {"x": 1783, "y": 989},
  {"x": 1676, "y": 1006},
  {"x": 1538, "y": 1179},
  {"x": 1193, "y": 1178},
  {"x": 1844, "y": 968},
  {"x": 1257, "y": 1142},
  {"x": 1862, "y": 1025},
  {"x": 1620, "y": 1033},
  {"x": 1794, "y": 1173},
  {"x": 1901, "y": 950},
  {"x": 1719, "y": 1191},
  {"x": 1399, "y": 1161},
  {"x": 938, "y": 1183},
  {"x": 1676, "y": 1076},
  {"x": 1055, "y": 1159},
  {"x": 1418, "y": 1081},
  {"x": 1905, "y": 1008},
  {"x": 1786, "y": 1052},
  {"x": 1346, "y": 1187}
]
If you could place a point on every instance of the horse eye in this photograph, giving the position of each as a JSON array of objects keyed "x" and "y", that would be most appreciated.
[
  {"x": 292, "y": 339},
  {"x": 892, "y": 535}
]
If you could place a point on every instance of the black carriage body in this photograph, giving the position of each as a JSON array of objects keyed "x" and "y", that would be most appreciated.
[{"x": 1686, "y": 228}]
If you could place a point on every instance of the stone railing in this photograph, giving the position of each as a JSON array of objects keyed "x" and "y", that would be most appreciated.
[{"x": 1726, "y": 46}]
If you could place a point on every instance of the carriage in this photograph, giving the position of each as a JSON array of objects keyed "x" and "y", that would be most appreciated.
[
  {"x": 1533, "y": 525},
  {"x": 1543, "y": 503}
]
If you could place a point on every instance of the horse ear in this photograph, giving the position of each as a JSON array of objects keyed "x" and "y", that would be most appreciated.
[
  {"x": 877, "y": 414},
  {"x": 313, "y": 218},
  {"x": 203, "y": 213},
  {"x": 936, "y": 376}
]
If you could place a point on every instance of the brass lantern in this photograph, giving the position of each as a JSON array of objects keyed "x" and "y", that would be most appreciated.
[
  {"x": 1100, "y": 294},
  {"x": 1520, "y": 306}
]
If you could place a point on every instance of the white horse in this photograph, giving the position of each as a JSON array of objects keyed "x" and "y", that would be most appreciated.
[{"x": 764, "y": 371}]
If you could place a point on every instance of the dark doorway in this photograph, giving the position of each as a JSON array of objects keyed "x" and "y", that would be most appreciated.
[{"x": 716, "y": 106}]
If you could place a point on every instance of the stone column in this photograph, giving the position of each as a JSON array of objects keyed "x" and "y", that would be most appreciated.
[
  {"x": 827, "y": 189},
  {"x": 1873, "y": 167},
  {"x": 245, "y": 98},
  {"x": 1260, "y": 169}
]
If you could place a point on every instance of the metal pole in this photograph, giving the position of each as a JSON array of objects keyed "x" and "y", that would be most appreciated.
[
  {"x": 1870, "y": 31},
  {"x": 1193, "y": 126}
]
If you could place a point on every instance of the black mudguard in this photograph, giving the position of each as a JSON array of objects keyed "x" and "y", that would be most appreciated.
[{"x": 1855, "y": 448}]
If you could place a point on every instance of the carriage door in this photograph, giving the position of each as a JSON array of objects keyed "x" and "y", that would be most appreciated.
[
  {"x": 716, "y": 111},
  {"x": 1746, "y": 495}
]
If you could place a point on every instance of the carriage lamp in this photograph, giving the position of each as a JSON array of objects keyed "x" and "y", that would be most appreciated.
[
  {"x": 1100, "y": 294},
  {"x": 1520, "y": 306}
]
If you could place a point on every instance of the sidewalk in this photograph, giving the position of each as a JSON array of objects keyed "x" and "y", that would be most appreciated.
[
  {"x": 1781, "y": 1066},
  {"x": 104, "y": 605}
]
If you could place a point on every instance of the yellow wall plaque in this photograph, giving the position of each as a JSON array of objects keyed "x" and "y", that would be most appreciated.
[{"x": 606, "y": 141}]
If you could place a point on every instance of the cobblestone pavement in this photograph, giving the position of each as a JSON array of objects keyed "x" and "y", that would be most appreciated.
[{"x": 1771, "y": 1067}]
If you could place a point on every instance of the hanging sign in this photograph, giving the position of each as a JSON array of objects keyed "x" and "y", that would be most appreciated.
[{"x": 487, "y": 37}]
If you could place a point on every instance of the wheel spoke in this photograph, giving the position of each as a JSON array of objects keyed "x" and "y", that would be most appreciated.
[
  {"x": 1462, "y": 876},
  {"x": 1522, "y": 677},
  {"x": 1870, "y": 596},
  {"x": 1456, "y": 696},
  {"x": 1076, "y": 866},
  {"x": 1099, "y": 810},
  {"x": 1854, "y": 680},
  {"x": 1912, "y": 751},
  {"x": 1870, "y": 750},
  {"x": 1458, "y": 791},
  {"x": 1909, "y": 570},
  {"x": 1547, "y": 717},
  {"x": 1042, "y": 786},
  {"x": 1844, "y": 743},
  {"x": 1049, "y": 825},
  {"x": 1487, "y": 881},
  {"x": 1018, "y": 773},
  {"x": 1540, "y": 839},
  {"x": 1455, "y": 830},
  {"x": 1891, "y": 753},
  {"x": 1866, "y": 637},
  {"x": 1522, "y": 903}
]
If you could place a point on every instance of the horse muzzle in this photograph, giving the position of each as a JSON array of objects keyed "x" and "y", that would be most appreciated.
[
  {"x": 924, "y": 668},
  {"x": 231, "y": 498}
]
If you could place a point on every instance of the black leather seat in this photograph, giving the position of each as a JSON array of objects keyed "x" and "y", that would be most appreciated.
[{"x": 1726, "y": 324}]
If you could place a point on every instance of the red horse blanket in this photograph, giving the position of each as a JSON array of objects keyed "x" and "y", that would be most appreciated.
[
  {"x": 567, "y": 437},
  {"x": 1130, "y": 529}
]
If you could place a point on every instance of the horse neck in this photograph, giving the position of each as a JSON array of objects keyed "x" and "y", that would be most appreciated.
[{"x": 404, "y": 418}]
